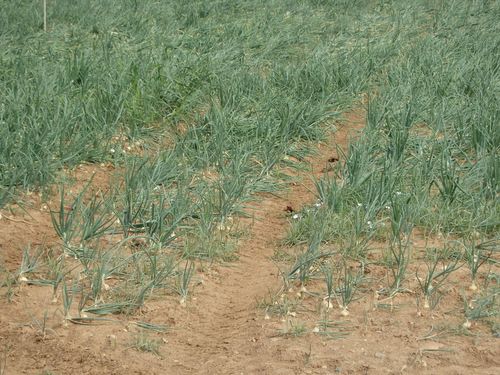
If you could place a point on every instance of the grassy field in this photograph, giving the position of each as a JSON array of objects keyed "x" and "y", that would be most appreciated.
[{"x": 200, "y": 107}]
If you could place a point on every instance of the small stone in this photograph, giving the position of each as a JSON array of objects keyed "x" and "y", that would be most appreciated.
[
  {"x": 496, "y": 335},
  {"x": 380, "y": 355}
]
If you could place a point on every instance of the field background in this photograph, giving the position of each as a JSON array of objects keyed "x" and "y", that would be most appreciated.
[{"x": 250, "y": 187}]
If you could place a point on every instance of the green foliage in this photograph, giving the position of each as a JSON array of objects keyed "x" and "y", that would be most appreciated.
[
  {"x": 427, "y": 160},
  {"x": 141, "y": 342},
  {"x": 196, "y": 106}
]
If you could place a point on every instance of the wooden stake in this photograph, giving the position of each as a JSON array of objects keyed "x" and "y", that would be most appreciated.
[{"x": 45, "y": 16}]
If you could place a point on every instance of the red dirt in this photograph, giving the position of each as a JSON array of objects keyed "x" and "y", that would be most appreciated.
[{"x": 222, "y": 331}]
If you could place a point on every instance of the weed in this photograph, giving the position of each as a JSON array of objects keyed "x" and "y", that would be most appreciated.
[
  {"x": 294, "y": 328},
  {"x": 279, "y": 304},
  {"x": 42, "y": 325},
  {"x": 142, "y": 343},
  {"x": 3, "y": 363}
]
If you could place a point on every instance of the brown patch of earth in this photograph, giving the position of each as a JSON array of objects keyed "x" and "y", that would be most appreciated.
[{"x": 221, "y": 329}]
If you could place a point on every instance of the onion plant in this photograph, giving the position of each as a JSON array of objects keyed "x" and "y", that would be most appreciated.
[
  {"x": 348, "y": 287},
  {"x": 398, "y": 260},
  {"x": 183, "y": 281},
  {"x": 437, "y": 273},
  {"x": 476, "y": 256},
  {"x": 67, "y": 222},
  {"x": 203, "y": 108},
  {"x": 32, "y": 263},
  {"x": 330, "y": 274}
]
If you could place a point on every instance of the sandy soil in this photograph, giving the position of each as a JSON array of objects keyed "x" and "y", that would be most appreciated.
[{"x": 223, "y": 328}]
